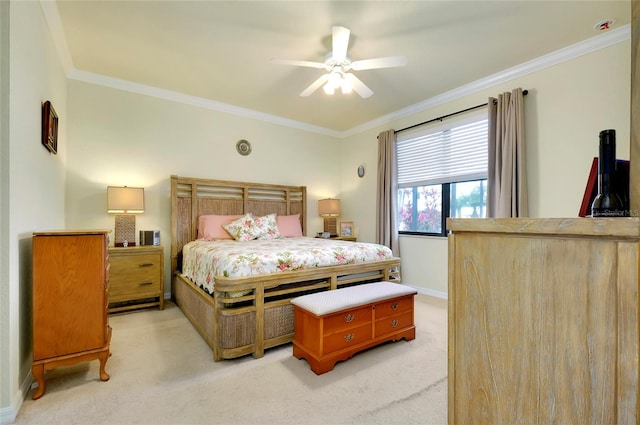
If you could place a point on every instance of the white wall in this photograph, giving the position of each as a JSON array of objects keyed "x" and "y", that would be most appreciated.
[
  {"x": 122, "y": 138},
  {"x": 33, "y": 183},
  {"x": 566, "y": 108}
]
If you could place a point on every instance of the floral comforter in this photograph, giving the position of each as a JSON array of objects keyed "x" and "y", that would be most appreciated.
[{"x": 203, "y": 260}]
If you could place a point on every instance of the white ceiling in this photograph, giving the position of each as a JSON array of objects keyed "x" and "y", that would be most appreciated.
[{"x": 220, "y": 51}]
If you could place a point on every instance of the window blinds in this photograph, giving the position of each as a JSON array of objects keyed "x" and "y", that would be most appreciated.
[{"x": 451, "y": 155}]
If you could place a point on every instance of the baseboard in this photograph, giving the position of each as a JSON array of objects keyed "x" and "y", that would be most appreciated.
[
  {"x": 8, "y": 414},
  {"x": 431, "y": 292}
]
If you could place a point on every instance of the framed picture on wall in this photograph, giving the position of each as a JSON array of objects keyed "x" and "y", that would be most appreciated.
[
  {"x": 346, "y": 228},
  {"x": 49, "y": 127}
]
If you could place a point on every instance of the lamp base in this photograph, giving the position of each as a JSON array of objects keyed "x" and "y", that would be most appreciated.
[
  {"x": 125, "y": 230},
  {"x": 331, "y": 226}
]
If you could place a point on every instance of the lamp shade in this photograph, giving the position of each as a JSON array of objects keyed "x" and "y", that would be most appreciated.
[
  {"x": 329, "y": 207},
  {"x": 125, "y": 199}
]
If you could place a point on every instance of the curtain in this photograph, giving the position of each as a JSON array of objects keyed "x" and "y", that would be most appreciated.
[
  {"x": 507, "y": 177},
  {"x": 387, "y": 194}
]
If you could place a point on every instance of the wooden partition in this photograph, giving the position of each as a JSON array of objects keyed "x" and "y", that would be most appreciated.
[
  {"x": 634, "y": 178},
  {"x": 543, "y": 321},
  {"x": 634, "y": 186}
]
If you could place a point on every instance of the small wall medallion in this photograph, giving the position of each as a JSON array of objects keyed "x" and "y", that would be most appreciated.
[{"x": 243, "y": 147}]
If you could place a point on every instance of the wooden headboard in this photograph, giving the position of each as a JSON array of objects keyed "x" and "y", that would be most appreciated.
[{"x": 193, "y": 197}]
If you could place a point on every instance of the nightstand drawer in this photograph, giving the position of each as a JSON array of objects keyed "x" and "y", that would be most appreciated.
[
  {"x": 127, "y": 286},
  {"x": 134, "y": 266}
]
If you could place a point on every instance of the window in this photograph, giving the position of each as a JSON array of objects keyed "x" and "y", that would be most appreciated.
[{"x": 442, "y": 172}]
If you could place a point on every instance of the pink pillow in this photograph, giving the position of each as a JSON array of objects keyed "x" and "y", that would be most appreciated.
[
  {"x": 289, "y": 225},
  {"x": 210, "y": 226}
]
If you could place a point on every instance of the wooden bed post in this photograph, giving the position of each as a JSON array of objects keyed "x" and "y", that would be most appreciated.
[
  {"x": 217, "y": 350},
  {"x": 259, "y": 305},
  {"x": 174, "y": 233}
]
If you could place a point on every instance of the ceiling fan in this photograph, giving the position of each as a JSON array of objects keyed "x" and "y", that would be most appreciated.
[{"x": 338, "y": 66}]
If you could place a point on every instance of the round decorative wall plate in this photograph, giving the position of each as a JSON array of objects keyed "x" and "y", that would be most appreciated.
[
  {"x": 243, "y": 147},
  {"x": 361, "y": 171}
]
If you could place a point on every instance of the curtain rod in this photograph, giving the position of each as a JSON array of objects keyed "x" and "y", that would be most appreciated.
[{"x": 524, "y": 92}]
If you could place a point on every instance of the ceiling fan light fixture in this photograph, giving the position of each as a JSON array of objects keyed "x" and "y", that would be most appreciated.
[
  {"x": 329, "y": 89},
  {"x": 346, "y": 87},
  {"x": 338, "y": 64},
  {"x": 335, "y": 81}
]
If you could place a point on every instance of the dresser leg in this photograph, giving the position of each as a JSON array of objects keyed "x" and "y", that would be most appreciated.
[
  {"x": 37, "y": 370},
  {"x": 103, "y": 357}
]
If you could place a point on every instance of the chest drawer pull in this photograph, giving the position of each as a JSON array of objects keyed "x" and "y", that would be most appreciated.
[
  {"x": 146, "y": 283},
  {"x": 394, "y": 323},
  {"x": 349, "y": 318},
  {"x": 348, "y": 337},
  {"x": 145, "y": 265},
  {"x": 394, "y": 306}
]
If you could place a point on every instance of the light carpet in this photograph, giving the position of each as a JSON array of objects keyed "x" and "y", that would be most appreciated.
[{"x": 162, "y": 372}]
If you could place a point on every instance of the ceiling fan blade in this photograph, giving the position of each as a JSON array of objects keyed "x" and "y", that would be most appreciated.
[
  {"x": 340, "y": 43},
  {"x": 387, "y": 62},
  {"x": 358, "y": 85},
  {"x": 315, "y": 85},
  {"x": 295, "y": 62}
]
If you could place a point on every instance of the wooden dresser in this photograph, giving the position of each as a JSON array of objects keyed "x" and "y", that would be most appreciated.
[
  {"x": 137, "y": 278},
  {"x": 70, "y": 324},
  {"x": 543, "y": 321}
]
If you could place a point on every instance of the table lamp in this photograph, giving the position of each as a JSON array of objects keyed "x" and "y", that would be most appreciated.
[
  {"x": 329, "y": 209},
  {"x": 125, "y": 202}
]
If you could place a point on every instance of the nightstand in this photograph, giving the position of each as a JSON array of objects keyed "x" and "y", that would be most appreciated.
[
  {"x": 346, "y": 238},
  {"x": 136, "y": 278}
]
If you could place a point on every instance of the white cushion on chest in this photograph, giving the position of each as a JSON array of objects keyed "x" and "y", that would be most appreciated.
[{"x": 326, "y": 302}]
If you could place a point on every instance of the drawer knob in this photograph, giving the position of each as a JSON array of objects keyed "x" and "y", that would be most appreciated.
[
  {"x": 146, "y": 283},
  {"x": 348, "y": 337},
  {"x": 394, "y": 306},
  {"x": 349, "y": 318},
  {"x": 394, "y": 323},
  {"x": 145, "y": 265}
]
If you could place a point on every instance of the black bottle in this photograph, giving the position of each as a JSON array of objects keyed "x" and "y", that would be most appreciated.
[{"x": 607, "y": 203}]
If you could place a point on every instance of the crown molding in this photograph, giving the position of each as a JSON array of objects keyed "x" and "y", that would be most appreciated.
[
  {"x": 600, "y": 41},
  {"x": 554, "y": 58},
  {"x": 129, "y": 86}
]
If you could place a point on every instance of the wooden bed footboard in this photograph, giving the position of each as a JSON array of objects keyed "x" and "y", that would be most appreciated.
[{"x": 263, "y": 318}]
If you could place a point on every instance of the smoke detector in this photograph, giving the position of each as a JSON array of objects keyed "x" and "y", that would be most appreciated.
[{"x": 604, "y": 25}]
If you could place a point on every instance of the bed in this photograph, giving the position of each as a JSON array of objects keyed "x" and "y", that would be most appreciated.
[{"x": 240, "y": 314}]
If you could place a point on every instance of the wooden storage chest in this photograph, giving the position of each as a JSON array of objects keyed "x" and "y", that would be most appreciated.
[{"x": 334, "y": 325}]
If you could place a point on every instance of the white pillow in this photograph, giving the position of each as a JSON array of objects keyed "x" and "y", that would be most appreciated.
[
  {"x": 267, "y": 227},
  {"x": 242, "y": 229}
]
